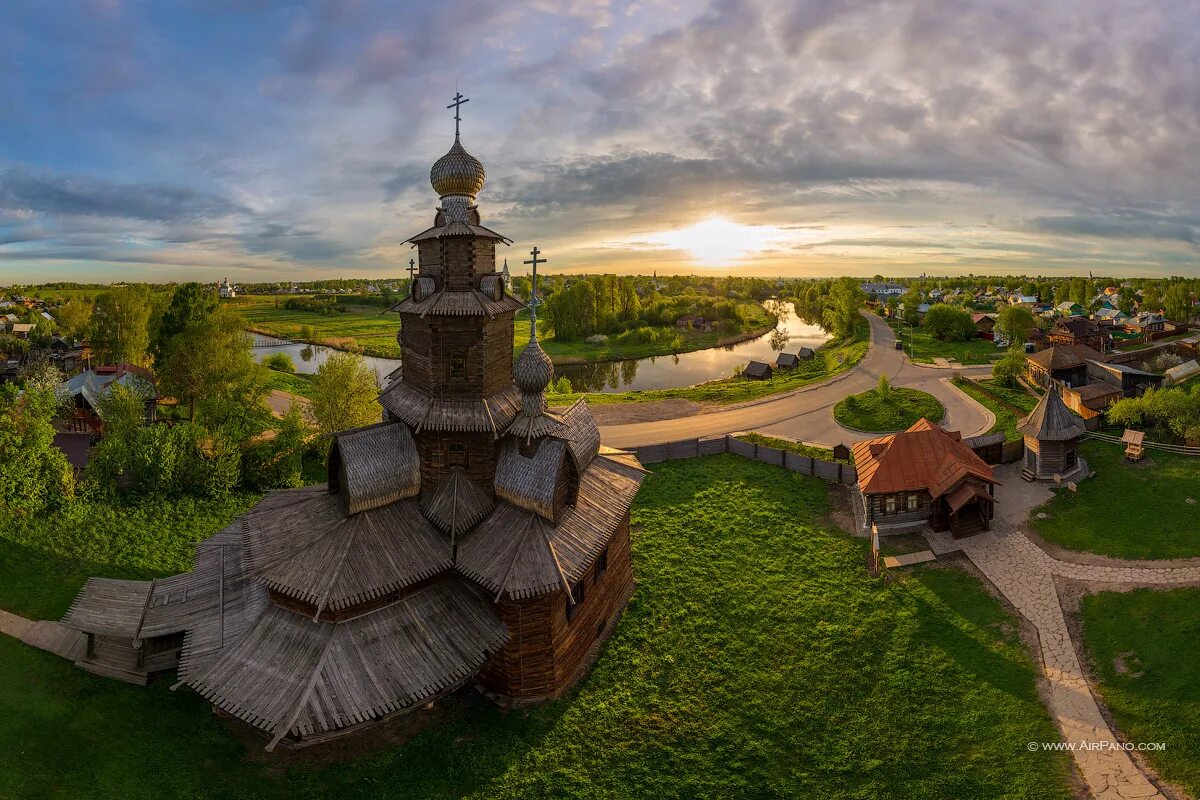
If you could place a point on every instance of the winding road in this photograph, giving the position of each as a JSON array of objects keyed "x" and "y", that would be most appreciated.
[{"x": 807, "y": 414}]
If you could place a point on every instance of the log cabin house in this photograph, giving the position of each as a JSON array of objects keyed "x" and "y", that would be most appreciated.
[
  {"x": 924, "y": 475},
  {"x": 472, "y": 537}
]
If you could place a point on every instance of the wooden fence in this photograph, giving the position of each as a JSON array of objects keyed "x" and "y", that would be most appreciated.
[
  {"x": 1178, "y": 449},
  {"x": 833, "y": 471}
]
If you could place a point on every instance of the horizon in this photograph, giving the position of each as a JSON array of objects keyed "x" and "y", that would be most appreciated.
[{"x": 269, "y": 142}]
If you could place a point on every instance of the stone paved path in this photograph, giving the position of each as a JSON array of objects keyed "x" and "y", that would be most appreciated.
[{"x": 1025, "y": 573}]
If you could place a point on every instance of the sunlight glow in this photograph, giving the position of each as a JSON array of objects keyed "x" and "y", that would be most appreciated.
[{"x": 716, "y": 241}]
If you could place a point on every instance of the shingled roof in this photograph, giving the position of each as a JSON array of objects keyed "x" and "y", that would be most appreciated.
[
  {"x": 922, "y": 457},
  {"x": 1051, "y": 421},
  {"x": 1064, "y": 356},
  {"x": 374, "y": 466}
]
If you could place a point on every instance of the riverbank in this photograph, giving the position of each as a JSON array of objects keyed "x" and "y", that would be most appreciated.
[
  {"x": 366, "y": 329},
  {"x": 831, "y": 359}
]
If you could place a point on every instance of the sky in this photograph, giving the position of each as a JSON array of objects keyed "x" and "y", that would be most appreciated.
[{"x": 198, "y": 139}]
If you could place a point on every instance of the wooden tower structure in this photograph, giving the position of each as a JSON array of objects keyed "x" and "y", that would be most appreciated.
[
  {"x": 1051, "y": 434},
  {"x": 472, "y": 536}
]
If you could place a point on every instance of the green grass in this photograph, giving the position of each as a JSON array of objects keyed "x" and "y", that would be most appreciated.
[
  {"x": 832, "y": 358},
  {"x": 1128, "y": 510},
  {"x": 1009, "y": 405},
  {"x": 925, "y": 348},
  {"x": 756, "y": 659},
  {"x": 45, "y": 560},
  {"x": 296, "y": 383},
  {"x": 799, "y": 448},
  {"x": 1155, "y": 697},
  {"x": 375, "y": 333},
  {"x": 893, "y": 410}
]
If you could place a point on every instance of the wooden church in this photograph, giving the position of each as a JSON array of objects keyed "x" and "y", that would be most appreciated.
[{"x": 472, "y": 537}]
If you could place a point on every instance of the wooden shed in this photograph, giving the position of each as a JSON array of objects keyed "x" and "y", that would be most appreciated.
[{"x": 758, "y": 371}]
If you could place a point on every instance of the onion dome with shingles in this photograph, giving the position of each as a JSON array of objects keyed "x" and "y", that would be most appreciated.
[
  {"x": 533, "y": 369},
  {"x": 457, "y": 172}
]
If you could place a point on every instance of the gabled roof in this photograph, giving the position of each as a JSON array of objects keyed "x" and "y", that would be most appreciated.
[
  {"x": 922, "y": 457},
  {"x": 582, "y": 435},
  {"x": 528, "y": 482},
  {"x": 1051, "y": 421},
  {"x": 1077, "y": 327},
  {"x": 1064, "y": 356},
  {"x": 457, "y": 504},
  {"x": 756, "y": 369}
]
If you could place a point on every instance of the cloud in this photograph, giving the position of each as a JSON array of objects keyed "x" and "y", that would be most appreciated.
[{"x": 89, "y": 196}]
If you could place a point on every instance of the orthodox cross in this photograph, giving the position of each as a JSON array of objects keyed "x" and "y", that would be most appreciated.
[
  {"x": 412, "y": 267},
  {"x": 458, "y": 101},
  {"x": 533, "y": 295}
]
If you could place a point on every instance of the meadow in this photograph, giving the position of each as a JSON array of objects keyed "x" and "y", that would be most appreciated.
[{"x": 756, "y": 659}]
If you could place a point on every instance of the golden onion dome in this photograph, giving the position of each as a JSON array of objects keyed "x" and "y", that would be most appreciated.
[{"x": 457, "y": 172}]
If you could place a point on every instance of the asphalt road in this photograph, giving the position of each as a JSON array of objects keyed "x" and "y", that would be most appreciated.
[{"x": 807, "y": 414}]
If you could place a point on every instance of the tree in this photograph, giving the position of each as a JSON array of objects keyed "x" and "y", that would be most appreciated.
[
  {"x": 74, "y": 316},
  {"x": 34, "y": 473},
  {"x": 1178, "y": 302},
  {"x": 1008, "y": 370},
  {"x": 190, "y": 303},
  {"x": 912, "y": 300},
  {"x": 278, "y": 462},
  {"x": 1014, "y": 323},
  {"x": 344, "y": 394},
  {"x": 210, "y": 363},
  {"x": 845, "y": 298},
  {"x": 949, "y": 324},
  {"x": 120, "y": 325}
]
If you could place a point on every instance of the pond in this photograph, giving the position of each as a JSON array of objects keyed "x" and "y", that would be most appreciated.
[
  {"x": 688, "y": 369},
  {"x": 659, "y": 372},
  {"x": 307, "y": 362}
]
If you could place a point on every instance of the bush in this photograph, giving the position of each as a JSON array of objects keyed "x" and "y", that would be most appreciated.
[
  {"x": 597, "y": 339},
  {"x": 885, "y": 385},
  {"x": 280, "y": 362},
  {"x": 278, "y": 463},
  {"x": 562, "y": 386}
]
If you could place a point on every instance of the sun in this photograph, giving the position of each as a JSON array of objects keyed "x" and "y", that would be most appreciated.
[{"x": 716, "y": 241}]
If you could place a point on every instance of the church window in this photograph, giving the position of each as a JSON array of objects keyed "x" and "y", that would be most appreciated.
[
  {"x": 456, "y": 454},
  {"x": 576, "y": 600},
  {"x": 458, "y": 366}
]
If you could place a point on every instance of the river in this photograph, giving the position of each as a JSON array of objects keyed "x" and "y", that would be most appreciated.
[{"x": 659, "y": 372}]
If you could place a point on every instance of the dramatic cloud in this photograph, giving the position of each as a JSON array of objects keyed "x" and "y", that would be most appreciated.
[{"x": 893, "y": 136}]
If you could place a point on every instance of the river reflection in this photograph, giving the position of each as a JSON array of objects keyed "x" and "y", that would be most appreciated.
[
  {"x": 688, "y": 369},
  {"x": 659, "y": 372}
]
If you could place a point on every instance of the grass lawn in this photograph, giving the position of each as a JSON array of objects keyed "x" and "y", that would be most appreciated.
[
  {"x": 882, "y": 412},
  {"x": 925, "y": 348},
  {"x": 1009, "y": 405},
  {"x": 757, "y": 659},
  {"x": 375, "y": 332},
  {"x": 1128, "y": 510},
  {"x": 832, "y": 358},
  {"x": 45, "y": 560},
  {"x": 1145, "y": 648},
  {"x": 293, "y": 383}
]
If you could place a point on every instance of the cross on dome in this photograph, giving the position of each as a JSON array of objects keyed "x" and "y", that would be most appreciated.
[
  {"x": 456, "y": 104},
  {"x": 533, "y": 295}
]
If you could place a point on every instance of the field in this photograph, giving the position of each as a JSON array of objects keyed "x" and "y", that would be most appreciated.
[
  {"x": 925, "y": 348},
  {"x": 757, "y": 659},
  {"x": 365, "y": 326},
  {"x": 884, "y": 411},
  {"x": 1009, "y": 405},
  {"x": 1144, "y": 647},
  {"x": 832, "y": 358},
  {"x": 1128, "y": 510}
]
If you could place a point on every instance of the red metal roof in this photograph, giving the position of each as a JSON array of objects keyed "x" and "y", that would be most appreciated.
[{"x": 923, "y": 457}]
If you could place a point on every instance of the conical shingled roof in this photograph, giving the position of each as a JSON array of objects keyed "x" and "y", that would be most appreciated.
[{"x": 1051, "y": 421}]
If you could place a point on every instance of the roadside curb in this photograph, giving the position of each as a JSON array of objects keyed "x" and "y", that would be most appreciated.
[{"x": 987, "y": 412}]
